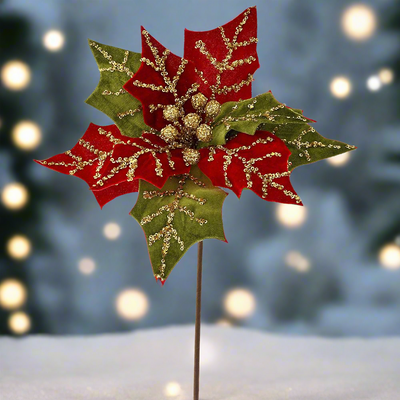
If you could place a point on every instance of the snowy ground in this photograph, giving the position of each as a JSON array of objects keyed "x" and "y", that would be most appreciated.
[{"x": 236, "y": 364}]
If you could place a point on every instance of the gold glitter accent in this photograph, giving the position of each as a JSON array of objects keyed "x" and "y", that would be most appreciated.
[
  {"x": 199, "y": 101},
  {"x": 129, "y": 113},
  {"x": 192, "y": 120},
  {"x": 204, "y": 133},
  {"x": 191, "y": 156},
  {"x": 225, "y": 64},
  {"x": 169, "y": 133},
  {"x": 108, "y": 93},
  {"x": 168, "y": 232},
  {"x": 170, "y": 113},
  {"x": 212, "y": 109}
]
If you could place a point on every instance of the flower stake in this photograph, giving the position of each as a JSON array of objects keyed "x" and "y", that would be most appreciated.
[{"x": 184, "y": 127}]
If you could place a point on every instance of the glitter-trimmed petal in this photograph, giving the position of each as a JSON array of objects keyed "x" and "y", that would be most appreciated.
[
  {"x": 226, "y": 57},
  {"x": 258, "y": 163},
  {"x": 89, "y": 157}
]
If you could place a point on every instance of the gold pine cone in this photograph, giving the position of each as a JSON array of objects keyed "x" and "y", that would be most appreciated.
[
  {"x": 191, "y": 156},
  {"x": 169, "y": 133},
  {"x": 204, "y": 133},
  {"x": 212, "y": 108},
  {"x": 199, "y": 101},
  {"x": 192, "y": 120},
  {"x": 171, "y": 113}
]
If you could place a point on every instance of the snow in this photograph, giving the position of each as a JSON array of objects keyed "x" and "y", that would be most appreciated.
[{"x": 236, "y": 364}]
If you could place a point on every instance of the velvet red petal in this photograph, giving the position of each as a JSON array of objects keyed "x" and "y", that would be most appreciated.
[
  {"x": 247, "y": 161},
  {"x": 110, "y": 193},
  {"x": 217, "y": 49},
  {"x": 152, "y": 59},
  {"x": 148, "y": 157},
  {"x": 89, "y": 157}
]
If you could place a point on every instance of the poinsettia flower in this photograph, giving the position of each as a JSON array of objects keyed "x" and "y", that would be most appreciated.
[{"x": 184, "y": 128}]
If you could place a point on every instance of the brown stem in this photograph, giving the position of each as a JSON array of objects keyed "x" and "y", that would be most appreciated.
[{"x": 197, "y": 324}]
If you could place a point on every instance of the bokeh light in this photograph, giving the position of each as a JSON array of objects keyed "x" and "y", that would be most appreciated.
[
  {"x": 172, "y": 389},
  {"x": 18, "y": 247},
  {"x": 14, "y": 196},
  {"x": 290, "y": 215},
  {"x": 53, "y": 40},
  {"x": 374, "y": 83},
  {"x": 26, "y": 135},
  {"x": 340, "y": 87},
  {"x": 239, "y": 303},
  {"x": 12, "y": 294},
  {"x": 339, "y": 160},
  {"x": 224, "y": 322},
  {"x": 15, "y": 75},
  {"x": 297, "y": 261},
  {"x": 359, "y": 22},
  {"x": 386, "y": 76},
  {"x": 112, "y": 231},
  {"x": 87, "y": 266},
  {"x": 19, "y": 323},
  {"x": 389, "y": 256},
  {"x": 132, "y": 304}
]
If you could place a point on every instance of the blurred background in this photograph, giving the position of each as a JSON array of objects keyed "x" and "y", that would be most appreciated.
[{"x": 329, "y": 268}]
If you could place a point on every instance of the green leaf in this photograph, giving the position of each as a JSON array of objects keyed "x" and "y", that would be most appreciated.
[
  {"x": 247, "y": 115},
  {"x": 116, "y": 67},
  {"x": 264, "y": 112},
  {"x": 186, "y": 210},
  {"x": 305, "y": 143}
]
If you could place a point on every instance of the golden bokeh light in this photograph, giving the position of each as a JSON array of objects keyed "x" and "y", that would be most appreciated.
[
  {"x": 132, "y": 304},
  {"x": 15, "y": 75},
  {"x": 359, "y": 22},
  {"x": 14, "y": 196},
  {"x": 389, "y": 256},
  {"x": 386, "y": 76},
  {"x": 111, "y": 231},
  {"x": 18, "y": 247},
  {"x": 12, "y": 294},
  {"x": 26, "y": 135},
  {"x": 340, "y": 87},
  {"x": 339, "y": 160},
  {"x": 239, "y": 303},
  {"x": 172, "y": 389},
  {"x": 297, "y": 261},
  {"x": 290, "y": 215},
  {"x": 19, "y": 323},
  {"x": 224, "y": 322},
  {"x": 53, "y": 40},
  {"x": 87, "y": 266}
]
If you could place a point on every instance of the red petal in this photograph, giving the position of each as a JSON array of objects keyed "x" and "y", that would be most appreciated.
[
  {"x": 215, "y": 46},
  {"x": 89, "y": 157},
  {"x": 148, "y": 150},
  {"x": 147, "y": 74},
  {"x": 110, "y": 193},
  {"x": 266, "y": 158}
]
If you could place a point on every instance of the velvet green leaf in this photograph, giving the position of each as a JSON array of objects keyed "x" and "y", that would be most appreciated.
[
  {"x": 264, "y": 112},
  {"x": 116, "y": 67},
  {"x": 186, "y": 210},
  {"x": 305, "y": 143},
  {"x": 247, "y": 115}
]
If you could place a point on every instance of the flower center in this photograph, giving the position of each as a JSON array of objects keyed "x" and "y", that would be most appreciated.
[{"x": 189, "y": 129}]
